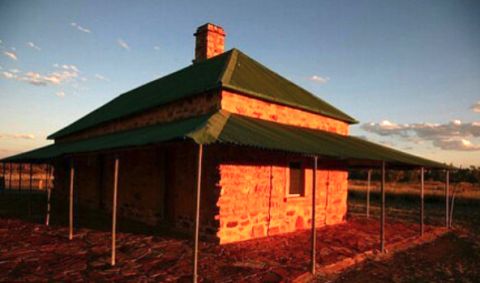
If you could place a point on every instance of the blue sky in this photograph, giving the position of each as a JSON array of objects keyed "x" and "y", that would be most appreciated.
[{"x": 409, "y": 71}]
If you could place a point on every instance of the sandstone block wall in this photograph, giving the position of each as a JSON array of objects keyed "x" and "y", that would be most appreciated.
[
  {"x": 244, "y": 190},
  {"x": 141, "y": 183},
  {"x": 253, "y": 199},
  {"x": 209, "y": 102},
  {"x": 185, "y": 108},
  {"x": 156, "y": 185},
  {"x": 256, "y": 108}
]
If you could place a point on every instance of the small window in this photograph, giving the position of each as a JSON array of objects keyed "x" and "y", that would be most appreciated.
[{"x": 296, "y": 179}]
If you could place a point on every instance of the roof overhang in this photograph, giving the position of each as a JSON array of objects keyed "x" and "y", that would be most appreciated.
[{"x": 224, "y": 127}]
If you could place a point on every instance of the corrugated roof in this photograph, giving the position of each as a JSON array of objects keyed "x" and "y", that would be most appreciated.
[
  {"x": 249, "y": 76},
  {"x": 224, "y": 127},
  {"x": 231, "y": 70},
  {"x": 138, "y": 137}
]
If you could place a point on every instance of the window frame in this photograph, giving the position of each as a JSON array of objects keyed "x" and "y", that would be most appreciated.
[{"x": 288, "y": 178}]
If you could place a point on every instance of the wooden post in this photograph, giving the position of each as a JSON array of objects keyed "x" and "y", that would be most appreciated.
[
  {"x": 422, "y": 201},
  {"x": 197, "y": 213},
  {"x": 369, "y": 178},
  {"x": 382, "y": 217},
  {"x": 49, "y": 192},
  {"x": 114, "y": 210},
  {"x": 447, "y": 189},
  {"x": 452, "y": 204},
  {"x": 70, "y": 208},
  {"x": 314, "y": 230}
]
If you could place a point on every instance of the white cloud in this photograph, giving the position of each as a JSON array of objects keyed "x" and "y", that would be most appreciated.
[
  {"x": 476, "y": 107},
  {"x": 32, "y": 45},
  {"x": 17, "y": 136},
  {"x": 12, "y": 55},
  {"x": 67, "y": 67},
  {"x": 101, "y": 78},
  {"x": 456, "y": 144},
  {"x": 52, "y": 78},
  {"x": 454, "y": 135},
  {"x": 123, "y": 44},
  {"x": 319, "y": 79},
  {"x": 156, "y": 48},
  {"x": 60, "y": 94},
  {"x": 8, "y": 75},
  {"x": 80, "y": 28}
]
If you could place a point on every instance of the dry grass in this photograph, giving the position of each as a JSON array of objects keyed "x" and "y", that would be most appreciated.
[{"x": 432, "y": 188}]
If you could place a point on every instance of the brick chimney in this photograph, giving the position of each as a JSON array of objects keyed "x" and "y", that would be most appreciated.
[{"x": 210, "y": 41}]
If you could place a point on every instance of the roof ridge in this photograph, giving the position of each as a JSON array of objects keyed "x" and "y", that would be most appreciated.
[
  {"x": 229, "y": 67},
  {"x": 211, "y": 129},
  {"x": 227, "y": 83}
]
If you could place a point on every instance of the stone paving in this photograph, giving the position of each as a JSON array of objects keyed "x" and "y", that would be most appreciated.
[{"x": 34, "y": 252}]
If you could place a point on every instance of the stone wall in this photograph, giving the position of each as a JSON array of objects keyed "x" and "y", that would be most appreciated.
[
  {"x": 156, "y": 185},
  {"x": 141, "y": 187},
  {"x": 208, "y": 103},
  {"x": 185, "y": 108},
  {"x": 256, "y": 108},
  {"x": 253, "y": 199},
  {"x": 244, "y": 190}
]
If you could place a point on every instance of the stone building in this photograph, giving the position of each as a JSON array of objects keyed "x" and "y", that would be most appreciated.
[{"x": 259, "y": 132}]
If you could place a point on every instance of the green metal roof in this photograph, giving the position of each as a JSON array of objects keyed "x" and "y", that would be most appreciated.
[
  {"x": 246, "y": 75},
  {"x": 232, "y": 70},
  {"x": 224, "y": 127},
  {"x": 269, "y": 135},
  {"x": 138, "y": 137}
]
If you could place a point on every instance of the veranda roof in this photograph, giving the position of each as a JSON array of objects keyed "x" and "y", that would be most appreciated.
[
  {"x": 231, "y": 70},
  {"x": 224, "y": 127}
]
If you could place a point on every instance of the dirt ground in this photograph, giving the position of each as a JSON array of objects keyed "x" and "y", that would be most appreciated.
[
  {"x": 31, "y": 251},
  {"x": 454, "y": 257},
  {"x": 450, "y": 258},
  {"x": 34, "y": 252}
]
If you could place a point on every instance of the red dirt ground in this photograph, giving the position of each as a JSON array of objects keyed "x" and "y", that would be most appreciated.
[
  {"x": 34, "y": 252},
  {"x": 453, "y": 257}
]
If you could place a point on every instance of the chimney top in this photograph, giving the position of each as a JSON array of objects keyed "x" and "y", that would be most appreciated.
[{"x": 210, "y": 41}]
